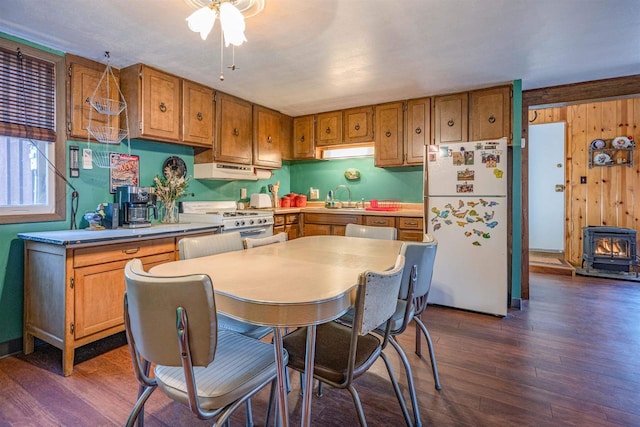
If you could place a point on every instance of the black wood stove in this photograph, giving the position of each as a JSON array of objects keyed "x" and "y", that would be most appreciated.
[{"x": 609, "y": 248}]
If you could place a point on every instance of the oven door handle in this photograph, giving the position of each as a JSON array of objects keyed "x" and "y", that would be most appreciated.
[{"x": 253, "y": 231}]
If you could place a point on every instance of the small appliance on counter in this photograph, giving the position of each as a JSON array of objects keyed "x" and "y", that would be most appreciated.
[
  {"x": 135, "y": 205},
  {"x": 111, "y": 218},
  {"x": 260, "y": 201}
]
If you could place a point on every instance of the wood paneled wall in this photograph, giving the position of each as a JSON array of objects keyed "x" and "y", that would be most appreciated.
[{"x": 609, "y": 195}]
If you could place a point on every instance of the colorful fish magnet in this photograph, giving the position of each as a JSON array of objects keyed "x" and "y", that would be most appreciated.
[{"x": 498, "y": 173}]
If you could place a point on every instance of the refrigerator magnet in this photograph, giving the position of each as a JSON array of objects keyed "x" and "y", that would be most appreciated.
[
  {"x": 444, "y": 151},
  {"x": 469, "y": 157},
  {"x": 498, "y": 173},
  {"x": 458, "y": 159}
]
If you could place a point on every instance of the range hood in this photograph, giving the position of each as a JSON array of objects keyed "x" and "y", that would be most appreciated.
[{"x": 229, "y": 172}]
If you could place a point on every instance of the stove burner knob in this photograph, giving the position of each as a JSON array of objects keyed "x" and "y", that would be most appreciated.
[
  {"x": 237, "y": 223},
  {"x": 251, "y": 222},
  {"x": 260, "y": 221}
]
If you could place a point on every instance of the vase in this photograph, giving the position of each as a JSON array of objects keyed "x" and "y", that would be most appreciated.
[{"x": 168, "y": 213}]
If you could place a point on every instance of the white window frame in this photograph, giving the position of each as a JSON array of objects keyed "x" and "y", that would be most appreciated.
[{"x": 55, "y": 210}]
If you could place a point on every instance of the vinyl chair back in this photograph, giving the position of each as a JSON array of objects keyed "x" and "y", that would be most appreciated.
[
  {"x": 344, "y": 353},
  {"x": 195, "y": 247},
  {"x": 371, "y": 232},
  {"x": 254, "y": 242},
  {"x": 171, "y": 323}
]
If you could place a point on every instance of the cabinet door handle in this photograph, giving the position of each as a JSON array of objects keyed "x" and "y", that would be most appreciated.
[
  {"x": 269, "y": 140},
  {"x": 328, "y": 130},
  {"x": 411, "y": 223},
  {"x": 387, "y": 133},
  {"x": 357, "y": 126},
  {"x": 236, "y": 132},
  {"x": 492, "y": 119},
  {"x": 302, "y": 138},
  {"x": 163, "y": 107},
  {"x": 380, "y": 222},
  {"x": 130, "y": 251},
  {"x": 199, "y": 116},
  {"x": 450, "y": 123},
  {"x": 418, "y": 131}
]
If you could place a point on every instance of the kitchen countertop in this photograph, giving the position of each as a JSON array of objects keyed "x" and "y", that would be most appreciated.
[
  {"x": 408, "y": 210},
  {"x": 85, "y": 236}
]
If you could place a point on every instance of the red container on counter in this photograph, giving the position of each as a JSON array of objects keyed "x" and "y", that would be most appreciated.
[
  {"x": 301, "y": 201},
  {"x": 285, "y": 202}
]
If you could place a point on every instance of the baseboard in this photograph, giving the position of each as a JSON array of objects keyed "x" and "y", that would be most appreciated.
[{"x": 10, "y": 347}]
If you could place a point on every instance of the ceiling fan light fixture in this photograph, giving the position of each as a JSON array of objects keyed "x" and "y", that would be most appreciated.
[
  {"x": 202, "y": 21},
  {"x": 232, "y": 23}
]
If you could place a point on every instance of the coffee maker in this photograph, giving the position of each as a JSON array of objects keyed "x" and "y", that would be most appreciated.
[{"x": 135, "y": 206}]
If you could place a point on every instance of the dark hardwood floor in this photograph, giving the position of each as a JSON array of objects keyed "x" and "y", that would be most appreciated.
[{"x": 570, "y": 357}]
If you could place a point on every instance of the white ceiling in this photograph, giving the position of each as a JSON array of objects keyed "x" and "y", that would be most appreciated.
[{"x": 309, "y": 56}]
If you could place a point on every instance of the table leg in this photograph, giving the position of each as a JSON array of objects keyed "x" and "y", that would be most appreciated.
[
  {"x": 308, "y": 369},
  {"x": 283, "y": 411}
]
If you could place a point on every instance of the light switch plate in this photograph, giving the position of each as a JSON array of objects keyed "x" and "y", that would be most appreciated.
[{"x": 87, "y": 158}]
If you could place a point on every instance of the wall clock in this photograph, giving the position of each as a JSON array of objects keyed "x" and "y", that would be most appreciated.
[{"x": 175, "y": 164}]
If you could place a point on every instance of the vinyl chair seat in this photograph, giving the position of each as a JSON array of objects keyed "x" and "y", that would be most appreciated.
[
  {"x": 331, "y": 361},
  {"x": 244, "y": 328},
  {"x": 219, "y": 384}
]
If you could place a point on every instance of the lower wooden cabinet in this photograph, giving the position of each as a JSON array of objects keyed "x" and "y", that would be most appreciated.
[
  {"x": 287, "y": 223},
  {"x": 316, "y": 224},
  {"x": 410, "y": 228},
  {"x": 74, "y": 296}
]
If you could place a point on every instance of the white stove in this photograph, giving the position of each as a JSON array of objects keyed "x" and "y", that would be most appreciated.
[{"x": 250, "y": 222}]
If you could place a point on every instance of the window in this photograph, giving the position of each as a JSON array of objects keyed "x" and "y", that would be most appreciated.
[{"x": 32, "y": 136}]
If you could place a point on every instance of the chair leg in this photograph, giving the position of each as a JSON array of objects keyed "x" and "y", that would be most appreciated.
[
  {"x": 272, "y": 396},
  {"x": 358, "y": 404},
  {"x": 410, "y": 383},
  {"x": 432, "y": 355},
  {"x": 396, "y": 389},
  {"x": 139, "y": 406},
  {"x": 249, "y": 413}
]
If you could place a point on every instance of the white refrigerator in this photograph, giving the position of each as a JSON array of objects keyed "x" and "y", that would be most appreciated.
[{"x": 466, "y": 211}]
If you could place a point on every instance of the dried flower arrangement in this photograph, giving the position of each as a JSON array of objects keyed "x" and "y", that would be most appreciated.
[{"x": 168, "y": 189}]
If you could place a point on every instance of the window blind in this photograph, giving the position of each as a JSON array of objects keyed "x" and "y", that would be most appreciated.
[{"x": 27, "y": 97}]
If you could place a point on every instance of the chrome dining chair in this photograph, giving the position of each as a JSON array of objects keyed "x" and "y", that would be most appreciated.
[
  {"x": 195, "y": 247},
  {"x": 171, "y": 323},
  {"x": 371, "y": 232},
  {"x": 345, "y": 352},
  {"x": 254, "y": 242}
]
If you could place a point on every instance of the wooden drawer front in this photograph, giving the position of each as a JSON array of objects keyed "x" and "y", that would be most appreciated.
[
  {"x": 292, "y": 219},
  {"x": 322, "y": 218},
  {"x": 278, "y": 220},
  {"x": 317, "y": 229},
  {"x": 410, "y": 223},
  {"x": 121, "y": 251},
  {"x": 278, "y": 229},
  {"x": 410, "y": 235},
  {"x": 380, "y": 221}
]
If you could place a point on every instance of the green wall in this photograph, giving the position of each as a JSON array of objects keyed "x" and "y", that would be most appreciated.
[{"x": 404, "y": 184}]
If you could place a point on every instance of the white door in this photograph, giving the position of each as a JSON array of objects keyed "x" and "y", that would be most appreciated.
[{"x": 546, "y": 187}]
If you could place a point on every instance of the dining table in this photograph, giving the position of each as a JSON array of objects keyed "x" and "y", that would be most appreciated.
[{"x": 298, "y": 283}]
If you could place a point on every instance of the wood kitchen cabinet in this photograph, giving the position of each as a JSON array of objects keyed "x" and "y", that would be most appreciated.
[
  {"x": 286, "y": 137},
  {"x": 451, "y": 118},
  {"x": 287, "y": 223},
  {"x": 197, "y": 114},
  {"x": 234, "y": 131},
  {"x": 329, "y": 128},
  {"x": 417, "y": 130},
  {"x": 83, "y": 79},
  {"x": 490, "y": 113},
  {"x": 328, "y": 224},
  {"x": 389, "y": 134},
  {"x": 267, "y": 132},
  {"x": 358, "y": 125},
  {"x": 74, "y": 296},
  {"x": 410, "y": 228},
  {"x": 153, "y": 103},
  {"x": 303, "y": 142},
  {"x": 380, "y": 221}
]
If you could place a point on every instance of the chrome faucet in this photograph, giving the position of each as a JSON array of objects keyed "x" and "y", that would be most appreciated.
[{"x": 335, "y": 193}]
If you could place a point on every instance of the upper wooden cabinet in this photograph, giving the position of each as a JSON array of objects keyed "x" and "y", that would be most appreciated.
[
  {"x": 329, "y": 128},
  {"x": 234, "y": 136},
  {"x": 490, "y": 113},
  {"x": 153, "y": 103},
  {"x": 451, "y": 114},
  {"x": 197, "y": 114},
  {"x": 84, "y": 76},
  {"x": 285, "y": 142},
  {"x": 267, "y": 133},
  {"x": 358, "y": 124},
  {"x": 389, "y": 144},
  {"x": 303, "y": 142},
  {"x": 417, "y": 130}
]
